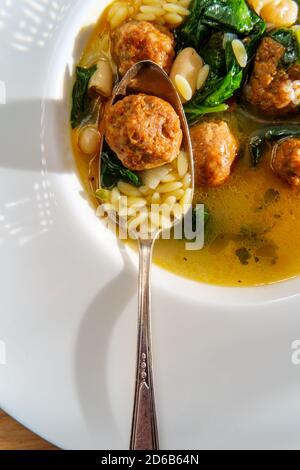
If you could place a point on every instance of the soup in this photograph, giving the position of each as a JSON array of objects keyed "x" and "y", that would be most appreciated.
[{"x": 253, "y": 231}]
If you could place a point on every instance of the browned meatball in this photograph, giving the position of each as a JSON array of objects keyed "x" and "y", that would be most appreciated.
[
  {"x": 140, "y": 40},
  {"x": 272, "y": 89},
  {"x": 144, "y": 131},
  {"x": 286, "y": 161},
  {"x": 215, "y": 149}
]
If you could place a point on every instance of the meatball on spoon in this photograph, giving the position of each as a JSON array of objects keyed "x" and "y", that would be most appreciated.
[{"x": 148, "y": 78}]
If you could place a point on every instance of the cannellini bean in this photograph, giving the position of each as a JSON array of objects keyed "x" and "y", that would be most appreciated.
[
  {"x": 101, "y": 81},
  {"x": 89, "y": 140},
  {"x": 280, "y": 12},
  {"x": 187, "y": 64},
  {"x": 257, "y": 4},
  {"x": 240, "y": 52}
]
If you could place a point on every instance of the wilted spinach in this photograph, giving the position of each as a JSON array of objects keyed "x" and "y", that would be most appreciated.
[
  {"x": 213, "y": 53},
  {"x": 192, "y": 32},
  {"x": 230, "y": 15},
  {"x": 216, "y": 90},
  {"x": 207, "y": 30},
  {"x": 79, "y": 94},
  {"x": 112, "y": 170},
  {"x": 288, "y": 39},
  {"x": 258, "y": 143},
  {"x": 256, "y": 149},
  {"x": 225, "y": 15}
]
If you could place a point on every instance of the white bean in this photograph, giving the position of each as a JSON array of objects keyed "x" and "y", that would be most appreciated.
[
  {"x": 187, "y": 64},
  {"x": 89, "y": 140},
  {"x": 101, "y": 81}
]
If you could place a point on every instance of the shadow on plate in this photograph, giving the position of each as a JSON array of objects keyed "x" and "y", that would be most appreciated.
[{"x": 91, "y": 359}]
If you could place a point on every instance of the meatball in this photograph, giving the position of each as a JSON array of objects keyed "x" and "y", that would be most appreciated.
[
  {"x": 215, "y": 149},
  {"x": 140, "y": 40},
  {"x": 286, "y": 161},
  {"x": 144, "y": 131},
  {"x": 271, "y": 89}
]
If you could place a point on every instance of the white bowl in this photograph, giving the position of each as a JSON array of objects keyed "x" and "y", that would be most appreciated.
[{"x": 224, "y": 375}]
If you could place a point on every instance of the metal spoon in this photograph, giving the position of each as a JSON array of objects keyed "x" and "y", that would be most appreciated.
[{"x": 148, "y": 78}]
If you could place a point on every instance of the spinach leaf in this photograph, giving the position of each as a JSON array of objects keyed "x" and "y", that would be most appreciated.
[
  {"x": 194, "y": 112},
  {"x": 225, "y": 15},
  {"x": 279, "y": 132},
  {"x": 243, "y": 255},
  {"x": 230, "y": 15},
  {"x": 79, "y": 93},
  {"x": 226, "y": 75},
  {"x": 252, "y": 40},
  {"x": 192, "y": 32},
  {"x": 216, "y": 91},
  {"x": 112, "y": 171},
  {"x": 256, "y": 149},
  {"x": 288, "y": 39},
  {"x": 213, "y": 53},
  {"x": 258, "y": 143},
  {"x": 230, "y": 83}
]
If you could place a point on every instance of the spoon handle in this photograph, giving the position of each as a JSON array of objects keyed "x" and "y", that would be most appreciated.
[{"x": 144, "y": 434}]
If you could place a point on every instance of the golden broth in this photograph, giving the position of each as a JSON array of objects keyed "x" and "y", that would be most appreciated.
[{"x": 253, "y": 235}]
